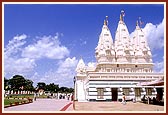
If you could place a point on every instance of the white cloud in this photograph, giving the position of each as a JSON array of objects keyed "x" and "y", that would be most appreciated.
[
  {"x": 19, "y": 66},
  {"x": 63, "y": 75},
  {"x": 155, "y": 35},
  {"x": 82, "y": 42},
  {"x": 14, "y": 64},
  {"x": 68, "y": 63},
  {"x": 48, "y": 47},
  {"x": 15, "y": 45},
  {"x": 21, "y": 58},
  {"x": 22, "y": 37},
  {"x": 159, "y": 66},
  {"x": 91, "y": 64}
]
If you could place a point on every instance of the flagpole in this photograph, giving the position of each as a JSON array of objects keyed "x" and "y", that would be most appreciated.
[{"x": 122, "y": 14}]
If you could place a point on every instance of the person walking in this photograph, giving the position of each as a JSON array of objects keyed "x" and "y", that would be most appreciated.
[{"x": 123, "y": 99}]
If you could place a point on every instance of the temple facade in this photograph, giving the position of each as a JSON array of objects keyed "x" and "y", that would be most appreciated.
[{"x": 124, "y": 65}]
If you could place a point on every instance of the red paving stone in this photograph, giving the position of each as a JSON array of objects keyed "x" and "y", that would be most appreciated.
[{"x": 66, "y": 107}]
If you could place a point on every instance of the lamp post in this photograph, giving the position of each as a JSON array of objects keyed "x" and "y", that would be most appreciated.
[
  {"x": 74, "y": 80},
  {"x": 74, "y": 94}
]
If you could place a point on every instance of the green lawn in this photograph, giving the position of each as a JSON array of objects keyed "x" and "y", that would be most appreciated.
[
  {"x": 19, "y": 96},
  {"x": 8, "y": 101}
]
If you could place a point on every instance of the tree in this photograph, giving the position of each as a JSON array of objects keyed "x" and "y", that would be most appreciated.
[
  {"x": 71, "y": 90},
  {"x": 6, "y": 84},
  {"x": 29, "y": 85},
  {"x": 52, "y": 87},
  {"x": 17, "y": 82},
  {"x": 41, "y": 85},
  {"x": 63, "y": 90}
]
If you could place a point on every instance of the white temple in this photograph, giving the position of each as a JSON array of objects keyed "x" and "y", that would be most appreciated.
[{"x": 123, "y": 66}]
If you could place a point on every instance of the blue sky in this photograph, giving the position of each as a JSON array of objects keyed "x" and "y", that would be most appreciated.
[{"x": 45, "y": 42}]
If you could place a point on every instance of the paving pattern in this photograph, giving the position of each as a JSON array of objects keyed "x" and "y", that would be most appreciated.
[
  {"x": 117, "y": 107},
  {"x": 63, "y": 105},
  {"x": 40, "y": 105}
]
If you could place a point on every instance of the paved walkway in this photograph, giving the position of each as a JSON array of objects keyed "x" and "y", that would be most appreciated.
[
  {"x": 117, "y": 107},
  {"x": 62, "y": 105},
  {"x": 49, "y": 105}
]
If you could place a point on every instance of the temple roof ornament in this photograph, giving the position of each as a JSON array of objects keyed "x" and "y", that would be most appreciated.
[
  {"x": 137, "y": 23},
  {"x": 80, "y": 66},
  {"x": 106, "y": 21},
  {"x": 105, "y": 45},
  {"x": 121, "y": 18},
  {"x": 122, "y": 15}
]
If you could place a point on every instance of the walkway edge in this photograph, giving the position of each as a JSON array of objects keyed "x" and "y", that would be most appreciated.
[{"x": 66, "y": 106}]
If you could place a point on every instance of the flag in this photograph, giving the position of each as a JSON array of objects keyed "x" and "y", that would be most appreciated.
[{"x": 140, "y": 22}]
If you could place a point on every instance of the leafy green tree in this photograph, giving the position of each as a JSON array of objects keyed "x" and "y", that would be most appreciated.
[
  {"x": 6, "y": 84},
  {"x": 71, "y": 90},
  {"x": 41, "y": 85},
  {"x": 52, "y": 87},
  {"x": 17, "y": 82},
  {"x": 63, "y": 90},
  {"x": 29, "y": 85}
]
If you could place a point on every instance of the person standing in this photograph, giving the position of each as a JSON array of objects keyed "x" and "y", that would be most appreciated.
[{"x": 35, "y": 95}]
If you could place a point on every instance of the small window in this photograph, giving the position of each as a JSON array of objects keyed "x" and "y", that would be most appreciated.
[
  {"x": 148, "y": 91},
  {"x": 141, "y": 35},
  {"x": 100, "y": 93},
  {"x": 126, "y": 91},
  {"x": 106, "y": 34},
  {"x": 117, "y": 65},
  {"x": 136, "y": 66},
  {"x": 137, "y": 92},
  {"x": 123, "y": 30},
  {"x": 146, "y": 70},
  {"x": 108, "y": 70}
]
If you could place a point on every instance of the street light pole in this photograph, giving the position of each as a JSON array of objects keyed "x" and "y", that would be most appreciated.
[
  {"x": 74, "y": 80},
  {"x": 74, "y": 94}
]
